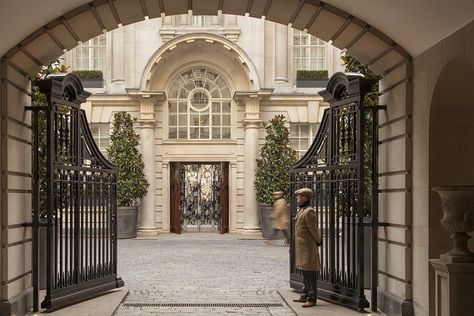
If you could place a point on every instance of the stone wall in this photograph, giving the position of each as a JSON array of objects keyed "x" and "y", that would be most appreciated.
[{"x": 433, "y": 145}]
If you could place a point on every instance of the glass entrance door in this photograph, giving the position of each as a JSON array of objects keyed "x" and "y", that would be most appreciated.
[{"x": 200, "y": 207}]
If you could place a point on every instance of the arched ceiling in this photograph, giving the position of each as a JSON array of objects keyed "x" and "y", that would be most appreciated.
[{"x": 377, "y": 32}]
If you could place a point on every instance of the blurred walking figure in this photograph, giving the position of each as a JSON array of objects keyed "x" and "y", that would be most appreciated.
[
  {"x": 280, "y": 216},
  {"x": 307, "y": 240}
]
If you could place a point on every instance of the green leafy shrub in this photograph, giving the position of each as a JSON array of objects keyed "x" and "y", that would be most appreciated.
[
  {"x": 312, "y": 74},
  {"x": 370, "y": 99},
  {"x": 276, "y": 157},
  {"x": 131, "y": 181},
  {"x": 38, "y": 99},
  {"x": 89, "y": 74}
]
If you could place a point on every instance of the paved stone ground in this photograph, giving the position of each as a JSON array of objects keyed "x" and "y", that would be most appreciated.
[{"x": 203, "y": 268}]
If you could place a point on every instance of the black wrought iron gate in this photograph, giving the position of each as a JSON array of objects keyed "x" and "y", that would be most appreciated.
[
  {"x": 74, "y": 196},
  {"x": 340, "y": 168}
]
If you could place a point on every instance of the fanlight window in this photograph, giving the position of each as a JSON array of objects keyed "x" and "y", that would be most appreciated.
[{"x": 199, "y": 105}]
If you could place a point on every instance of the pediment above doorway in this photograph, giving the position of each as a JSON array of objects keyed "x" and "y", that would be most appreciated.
[{"x": 200, "y": 49}]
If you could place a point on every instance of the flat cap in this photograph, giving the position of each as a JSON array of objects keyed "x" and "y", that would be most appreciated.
[{"x": 307, "y": 192}]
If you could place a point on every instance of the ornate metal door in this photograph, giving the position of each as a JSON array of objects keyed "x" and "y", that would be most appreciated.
[
  {"x": 80, "y": 200},
  {"x": 340, "y": 168},
  {"x": 199, "y": 197}
]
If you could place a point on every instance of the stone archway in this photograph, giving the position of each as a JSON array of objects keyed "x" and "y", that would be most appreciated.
[
  {"x": 320, "y": 19},
  {"x": 363, "y": 41},
  {"x": 451, "y": 130}
]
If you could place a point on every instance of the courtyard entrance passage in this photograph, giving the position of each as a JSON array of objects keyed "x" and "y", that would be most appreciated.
[
  {"x": 203, "y": 274},
  {"x": 199, "y": 197}
]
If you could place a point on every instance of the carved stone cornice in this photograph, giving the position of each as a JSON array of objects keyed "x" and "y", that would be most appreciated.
[{"x": 148, "y": 100}]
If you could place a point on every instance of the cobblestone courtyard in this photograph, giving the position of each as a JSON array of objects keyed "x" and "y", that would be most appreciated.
[{"x": 202, "y": 268}]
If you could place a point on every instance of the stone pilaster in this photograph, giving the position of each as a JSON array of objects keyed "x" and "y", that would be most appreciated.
[
  {"x": 281, "y": 53},
  {"x": 117, "y": 82},
  {"x": 147, "y": 227},
  {"x": 252, "y": 124}
]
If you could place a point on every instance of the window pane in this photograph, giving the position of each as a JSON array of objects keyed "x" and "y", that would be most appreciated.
[
  {"x": 204, "y": 132},
  {"x": 104, "y": 130},
  {"x": 304, "y": 143},
  {"x": 226, "y": 132},
  {"x": 226, "y": 107},
  {"x": 293, "y": 130},
  {"x": 216, "y": 93},
  {"x": 225, "y": 93},
  {"x": 182, "y": 132},
  {"x": 216, "y": 132},
  {"x": 183, "y": 107},
  {"x": 173, "y": 120},
  {"x": 294, "y": 143},
  {"x": 204, "y": 119},
  {"x": 304, "y": 130},
  {"x": 173, "y": 107},
  {"x": 216, "y": 120},
  {"x": 216, "y": 107},
  {"x": 173, "y": 133},
  {"x": 194, "y": 132},
  {"x": 194, "y": 119},
  {"x": 225, "y": 120},
  {"x": 183, "y": 120}
]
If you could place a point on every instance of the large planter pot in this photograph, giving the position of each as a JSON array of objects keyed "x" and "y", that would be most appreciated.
[
  {"x": 266, "y": 220},
  {"x": 311, "y": 83},
  {"x": 127, "y": 222},
  {"x": 350, "y": 226},
  {"x": 458, "y": 218},
  {"x": 92, "y": 83}
]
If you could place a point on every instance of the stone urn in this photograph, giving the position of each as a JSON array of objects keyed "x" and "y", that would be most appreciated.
[{"x": 458, "y": 218}]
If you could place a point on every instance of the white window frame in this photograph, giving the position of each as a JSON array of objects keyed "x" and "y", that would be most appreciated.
[
  {"x": 312, "y": 132},
  {"x": 204, "y": 81},
  {"x": 90, "y": 45},
  {"x": 307, "y": 46}
]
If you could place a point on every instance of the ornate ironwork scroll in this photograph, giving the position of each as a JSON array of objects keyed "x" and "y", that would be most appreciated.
[
  {"x": 80, "y": 208},
  {"x": 200, "y": 197},
  {"x": 340, "y": 168}
]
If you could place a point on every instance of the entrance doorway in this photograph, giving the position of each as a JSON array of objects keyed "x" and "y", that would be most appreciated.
[{"x": 199, "y": 197}]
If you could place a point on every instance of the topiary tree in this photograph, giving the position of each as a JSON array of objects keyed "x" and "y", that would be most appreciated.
[
  {"x": 276, "y": 157},
  {"x": 131, "y": 181}
]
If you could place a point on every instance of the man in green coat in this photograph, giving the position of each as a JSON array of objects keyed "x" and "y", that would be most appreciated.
[{"x": 307, "y": 239}]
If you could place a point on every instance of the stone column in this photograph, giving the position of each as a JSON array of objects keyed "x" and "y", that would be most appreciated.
[
  {"x": 147, "y": 227},
  {"x": 117, "y": 82},
  {"x": 252, "y": 123},
  {"x": 281, "y": 53}
]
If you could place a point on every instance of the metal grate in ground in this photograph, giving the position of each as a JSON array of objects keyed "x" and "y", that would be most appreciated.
[{"x": 239, "y": 305}]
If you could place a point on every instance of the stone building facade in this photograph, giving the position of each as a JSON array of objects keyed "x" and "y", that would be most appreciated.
[{"x": 201, "y": 87}]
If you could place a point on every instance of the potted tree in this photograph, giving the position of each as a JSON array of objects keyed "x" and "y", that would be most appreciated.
[
  {"x": 131, "y": 181},
  {"x": 272, "y": 174},
  {"x": 311, "y": 78}
]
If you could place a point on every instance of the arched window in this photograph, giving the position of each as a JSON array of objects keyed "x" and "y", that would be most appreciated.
[{"x": 199, "y": 105}]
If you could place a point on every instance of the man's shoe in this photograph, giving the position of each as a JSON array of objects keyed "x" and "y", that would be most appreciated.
[
  {"x": 300, "y": 299},
  {"x": 309, "y": 304}
]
